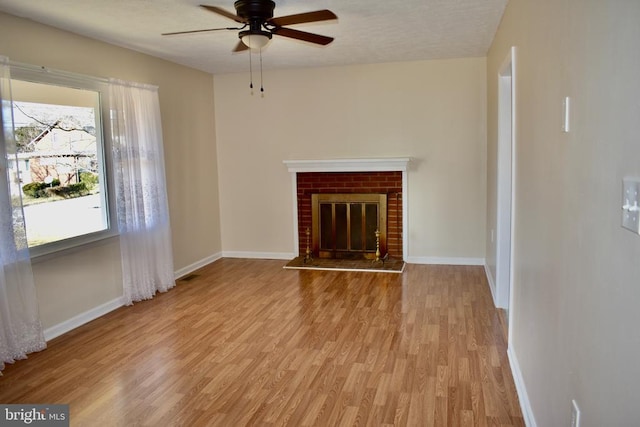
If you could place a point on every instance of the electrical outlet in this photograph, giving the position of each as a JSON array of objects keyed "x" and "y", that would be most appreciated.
[
  {"x": 575, "y": 414},
  {"x": 492, "y": 236}
]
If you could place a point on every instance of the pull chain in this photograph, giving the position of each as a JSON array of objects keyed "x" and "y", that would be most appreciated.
[
  {"x": 250, "y": 73},
  {"x": 261, "y": 86}
]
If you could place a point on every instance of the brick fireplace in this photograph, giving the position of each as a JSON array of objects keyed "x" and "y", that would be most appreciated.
[
  {"x": 388, "y": 183},
  {"x": 385, "y": 177}
]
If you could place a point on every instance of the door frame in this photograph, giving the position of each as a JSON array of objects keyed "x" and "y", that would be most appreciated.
[{"x": 506, "y": 173}]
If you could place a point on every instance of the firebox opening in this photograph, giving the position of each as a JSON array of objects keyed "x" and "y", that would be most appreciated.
[{"x": 349, "y": 226}]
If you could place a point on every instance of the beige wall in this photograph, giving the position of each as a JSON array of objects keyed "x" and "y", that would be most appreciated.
[
  {"x": 576, "y": 290},
  {"x": 80, "y": 280},
  {"x": 431, "y": 111}
]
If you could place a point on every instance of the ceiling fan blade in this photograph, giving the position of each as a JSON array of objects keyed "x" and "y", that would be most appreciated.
[
  {"x": 240, "y": 47},
  {"x": 303, "y": 35},
  {"x": 198, "y": 31},
  {"x": 301, "y": 18},
  {"x": 224, "y": 13}
]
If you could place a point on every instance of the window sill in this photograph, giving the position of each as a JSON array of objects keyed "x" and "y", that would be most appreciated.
[{"x": 70, "y": 246}]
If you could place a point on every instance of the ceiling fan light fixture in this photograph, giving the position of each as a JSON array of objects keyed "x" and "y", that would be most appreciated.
[{"x": 255, "y": 40}]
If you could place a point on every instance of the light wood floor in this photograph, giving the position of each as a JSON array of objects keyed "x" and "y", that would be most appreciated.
[{"x": 248, "y": 343}]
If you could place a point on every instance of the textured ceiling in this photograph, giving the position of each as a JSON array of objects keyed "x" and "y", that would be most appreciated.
[{"x": 367, "y": 31}]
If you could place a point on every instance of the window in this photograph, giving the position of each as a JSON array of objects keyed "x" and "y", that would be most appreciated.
[{"x": 61, "y": 158}]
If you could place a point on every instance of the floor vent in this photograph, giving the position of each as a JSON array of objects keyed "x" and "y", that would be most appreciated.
[{"x": 188, "y": 277}]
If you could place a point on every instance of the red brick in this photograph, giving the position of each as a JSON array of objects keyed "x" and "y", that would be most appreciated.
[{"x": 389, "y": 183}]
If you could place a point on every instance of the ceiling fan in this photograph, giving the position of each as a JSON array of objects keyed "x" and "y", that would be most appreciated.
[{"x": 259, "y": 25}]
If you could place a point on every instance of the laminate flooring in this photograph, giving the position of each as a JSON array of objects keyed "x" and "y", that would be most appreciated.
[{"x": 246, "y": 342}]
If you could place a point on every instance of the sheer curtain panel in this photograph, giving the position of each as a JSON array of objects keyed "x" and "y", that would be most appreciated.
[
  {"x": 143, "y": 213},
  {"x": 20, "y": 329}
]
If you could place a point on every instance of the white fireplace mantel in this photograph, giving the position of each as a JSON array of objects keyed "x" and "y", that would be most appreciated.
[{"x": 390, "y": 164}]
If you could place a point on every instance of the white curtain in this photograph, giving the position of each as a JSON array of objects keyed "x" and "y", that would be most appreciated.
[
  {"x": 143, "y": 213},
  {"x": 20, "y": 329}
]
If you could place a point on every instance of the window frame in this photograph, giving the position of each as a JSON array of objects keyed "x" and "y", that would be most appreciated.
[{"x": 42, "y": 75}]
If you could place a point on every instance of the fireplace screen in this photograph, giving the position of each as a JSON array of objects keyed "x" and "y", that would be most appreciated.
[{"x": 345, "y": 225}]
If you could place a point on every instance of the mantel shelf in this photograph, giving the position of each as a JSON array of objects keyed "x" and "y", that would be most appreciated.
[{"x": 390, "y": 164}]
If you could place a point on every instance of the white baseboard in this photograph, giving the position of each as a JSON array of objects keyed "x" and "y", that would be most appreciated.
[
  {"x": 523, "y": 397},
  {"x": 492, "y": 284},
  {"x": 444, "y": 260},
  {"x": 82, "y": 318},
  {"x": 258, "y": 255},
  {"x": 196, "y": 265}
]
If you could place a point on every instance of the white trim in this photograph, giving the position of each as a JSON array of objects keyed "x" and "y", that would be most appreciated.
[
  {"x": 296, "y": 238},
  {"x": 505, "y": 180},
  {"x": 445, "y": 260},
  {"x": 405, "y": 214},
  {"x": 196, "y": 265},
  {"x": 390, "y": 164},
  {"x": 258, "y": 255},
  {"x": 514, "y": 147},
  {"x": 492, "y": 283},
  {"x": 82, "y": 318},
  {"x": 60, "y": 74},
  {"x": 523, "y": 397}
]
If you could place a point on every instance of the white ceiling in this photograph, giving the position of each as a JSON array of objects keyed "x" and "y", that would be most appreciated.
[{"x": 367, "y": 31}]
